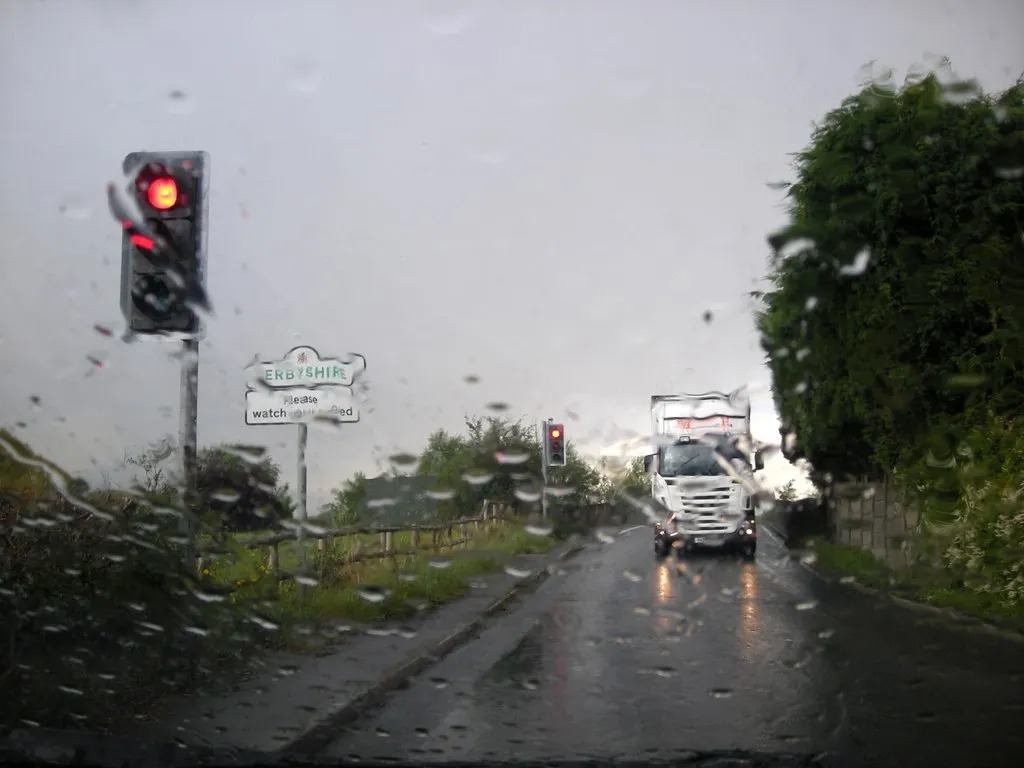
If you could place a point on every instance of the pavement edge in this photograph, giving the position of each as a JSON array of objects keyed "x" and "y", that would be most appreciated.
[
  {"x": 325, "y": 729},
  {"x": 964, "y": 620}
]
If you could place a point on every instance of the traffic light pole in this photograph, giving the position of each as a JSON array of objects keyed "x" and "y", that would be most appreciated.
[
  {"x": 544, "y": 469},
  {"x": 188, "y": 439}
]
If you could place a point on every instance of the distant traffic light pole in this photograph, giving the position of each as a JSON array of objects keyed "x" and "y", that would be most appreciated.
[
  {"x": 163, "y": 280},
  {"x": 552, "y": 455}
]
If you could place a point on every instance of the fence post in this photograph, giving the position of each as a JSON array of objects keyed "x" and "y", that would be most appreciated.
[
  {"x": 389, "y": 541},
  {"x": 414, "y": 538},
  {"x": 273, "y": 558}
]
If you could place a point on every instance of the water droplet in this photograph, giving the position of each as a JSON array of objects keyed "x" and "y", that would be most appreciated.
[
  {"x": 471, "y": 379},
  {"x": 859, "y": 265},
  {"x": 806, "y": 605},
  {"x": 477, "y": 477},
  {"x": 497, "y": 407},
  {"x": 264, "y": 623},
  {"x": 559, "y": 492},
  {"x": 179, "y": 103},
  {"x": 517, "y": 573},
  {"x": 304, "y": 76},
  {"x": 511, "y": 458},
  {"x": 210, "y": 597},
  {"x": 226, "y": 495},
  {"x": 538, "y": 529},
  {"x": 708, "y": 316},
  {"x": 846, "y": 580},
  {"x": 439, "y": 562},
  {"x": 306, "y": 581},
  {"x": 405, "y": 461},
  {"x": 604, "y": 537},
  {"x": 373, "y": 594},
  {"x": 634, "y": 577},
  {"x": 531, "y": 684},
  {"x": 407, "y": 576},
  {"x": 448, "y": 17},
  {"x": 664, "y": 671},
  {"x": 527, "y": 493},
  {"x": 439, "y": 682},
  {"x": 440, "y": 494},
  {"x": 720, "y": 693},
  {"x": 75, "y": 210},
  {"x": 382, "y": 732}
]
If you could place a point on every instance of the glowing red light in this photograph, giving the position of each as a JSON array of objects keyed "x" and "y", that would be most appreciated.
[
  {"x": 162, "y": 193},
  {"x": 141, "y": 241},
  {"x": 556, "y": 433}
]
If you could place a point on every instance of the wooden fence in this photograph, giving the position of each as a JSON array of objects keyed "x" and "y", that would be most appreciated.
[{"x": 442, "y": 536}]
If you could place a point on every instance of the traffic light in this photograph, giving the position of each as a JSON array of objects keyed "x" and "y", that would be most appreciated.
[
  {"x": 163, "y": 260},
  {"x": 556, "y": 445}
]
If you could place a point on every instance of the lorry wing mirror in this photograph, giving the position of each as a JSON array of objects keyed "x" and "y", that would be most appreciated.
[
  {"x": 758, "y": 462},
  {"x": 648, "y": 463}
]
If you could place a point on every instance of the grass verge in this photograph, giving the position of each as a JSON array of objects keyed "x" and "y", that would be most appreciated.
[
  {"x": 924, "y": 585},
  {"x": 394, "y": 588}
]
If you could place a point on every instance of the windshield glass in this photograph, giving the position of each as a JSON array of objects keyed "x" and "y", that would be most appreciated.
[
  {"x": 698, "y": 459},
  {"x": 340, "y": 339}
]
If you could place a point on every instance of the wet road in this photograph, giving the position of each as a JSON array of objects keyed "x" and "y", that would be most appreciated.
[{"x": 623, "y": 656}]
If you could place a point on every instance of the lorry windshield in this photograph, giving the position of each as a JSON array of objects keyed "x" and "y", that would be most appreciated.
[{"x": 697, "y": 459}]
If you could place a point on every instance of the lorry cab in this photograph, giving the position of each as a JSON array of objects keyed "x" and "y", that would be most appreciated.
[{"x": 701, "y": 473}]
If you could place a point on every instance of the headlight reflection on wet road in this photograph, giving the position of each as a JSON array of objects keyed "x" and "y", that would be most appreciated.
[{"x": 747, "y": 599}]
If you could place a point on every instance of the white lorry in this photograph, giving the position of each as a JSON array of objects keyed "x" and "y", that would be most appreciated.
[{"x": 702, "y": 472}]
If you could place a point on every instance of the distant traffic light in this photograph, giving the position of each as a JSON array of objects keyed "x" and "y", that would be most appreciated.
[
  {"x": 556, "y": 445},
  {"x": 163, "y": 280}
]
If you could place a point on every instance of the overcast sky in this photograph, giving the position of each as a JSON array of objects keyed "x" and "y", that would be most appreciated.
[{"x": 547, "y": 195}]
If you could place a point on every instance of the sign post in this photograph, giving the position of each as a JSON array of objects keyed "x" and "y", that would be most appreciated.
[{"x": 300, "y": 388}]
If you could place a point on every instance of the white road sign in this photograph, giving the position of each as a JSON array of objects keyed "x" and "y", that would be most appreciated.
[
  {"x": 300, "y": 405},
  {"x": 303, "y": 367}
]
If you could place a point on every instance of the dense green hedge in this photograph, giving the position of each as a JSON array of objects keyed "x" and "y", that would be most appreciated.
[{"x": 894, "y": 324}]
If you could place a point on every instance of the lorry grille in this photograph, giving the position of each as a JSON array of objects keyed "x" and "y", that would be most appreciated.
[{"x": 710, "y": 510}]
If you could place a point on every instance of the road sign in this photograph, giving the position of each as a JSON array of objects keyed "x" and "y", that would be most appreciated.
[
  {"x": 303, "y": 367},
  {"x": 300, "y": 405}
]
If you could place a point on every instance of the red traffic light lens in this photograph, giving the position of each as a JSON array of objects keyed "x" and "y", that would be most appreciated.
[{"x": 162, "y": 193}]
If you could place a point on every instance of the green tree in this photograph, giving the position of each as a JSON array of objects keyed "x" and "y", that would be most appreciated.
[
  {"x": 786, "y": 492},
  {"x": 499, "y": 460},
  {"x": 238, "y": 488},
  {"x": 896, "y": 305},
  {"x": 346, "y": 502}
]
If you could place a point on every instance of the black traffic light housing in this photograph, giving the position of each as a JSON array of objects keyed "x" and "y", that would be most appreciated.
[
  {"x": 556, "y": 445},
  {"x": 163, "y": 253}
]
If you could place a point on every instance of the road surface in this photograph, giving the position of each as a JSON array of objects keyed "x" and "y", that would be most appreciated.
[{"x": 623, "y": 656}]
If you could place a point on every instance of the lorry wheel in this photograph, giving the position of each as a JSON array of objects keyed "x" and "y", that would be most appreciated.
[{"x": 749, "y": 551}]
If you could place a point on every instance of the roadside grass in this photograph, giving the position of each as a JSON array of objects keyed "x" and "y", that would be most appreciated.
[
  {"x": 305, "y": 612},
  {"x": 932, "y": 586}
]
